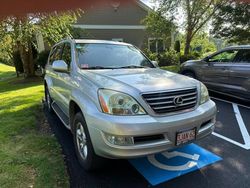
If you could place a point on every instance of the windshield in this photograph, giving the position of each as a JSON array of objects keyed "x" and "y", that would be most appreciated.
[{"x": 101, "y": 56}]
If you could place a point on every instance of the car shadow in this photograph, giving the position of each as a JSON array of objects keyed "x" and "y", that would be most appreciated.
[{"x": 111, "y": 175}]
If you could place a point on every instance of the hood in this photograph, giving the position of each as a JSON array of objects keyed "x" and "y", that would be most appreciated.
[{"x": 142, "y": 80}]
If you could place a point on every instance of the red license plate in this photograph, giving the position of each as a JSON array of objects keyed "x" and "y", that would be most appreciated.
[{"x": 185, "y": 136}]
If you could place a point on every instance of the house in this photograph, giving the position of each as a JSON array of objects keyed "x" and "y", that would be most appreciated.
[{"x": 118, "y": 20}]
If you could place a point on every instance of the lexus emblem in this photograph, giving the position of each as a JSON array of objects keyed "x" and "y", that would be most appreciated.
[{"x": 178, "y": 101}]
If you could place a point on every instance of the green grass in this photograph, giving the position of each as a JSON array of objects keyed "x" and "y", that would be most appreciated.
[
  {"x": 28, "y": 157},
  {"x": 172, "y": 68}
]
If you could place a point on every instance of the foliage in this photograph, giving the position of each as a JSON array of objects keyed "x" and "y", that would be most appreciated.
[
  {"x": 28, "y": 157},
  {"x": 63, "y": 22},
  {"x": 22, "y": 30},
  {"x": 172, "y": 68},
  {"x": 157, "y": 25},
  {"x": 169, "y": 57},
  {"x": 42, "y": 58},
  {"x": 6, "y": 50},
  {"x": 197, "y": 14},
  {"x": 166, "y": 58},
  {"x": 79, "y": 33},
  {"x": 232, "y": 22}
]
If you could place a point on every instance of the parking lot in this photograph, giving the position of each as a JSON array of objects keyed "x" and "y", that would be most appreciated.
[{"x": 230, "y": 141}]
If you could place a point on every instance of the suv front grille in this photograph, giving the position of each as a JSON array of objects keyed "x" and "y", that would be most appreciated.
[{"x": 171, "y": 101}]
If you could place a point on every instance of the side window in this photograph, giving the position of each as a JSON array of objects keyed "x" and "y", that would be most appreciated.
[
  {"x": 51, "y": 57},
  {"x": 55, "y": 54},
  {"x": 243, "y": 56},
  {"x": 66, "y": 54},
  {"x": 226, "y": 56}
]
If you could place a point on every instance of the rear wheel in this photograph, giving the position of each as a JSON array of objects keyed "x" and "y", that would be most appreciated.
[
  {"x": 48, "y": 100},
  {"x": 83, "y": 145}
]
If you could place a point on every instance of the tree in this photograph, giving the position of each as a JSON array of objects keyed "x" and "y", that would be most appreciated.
[
  {"x": 157, "y": 25},
  {"x": 232, "y": 22},
  {"x": 197, "y": 14},
  {"x": 53, "y": 27}
]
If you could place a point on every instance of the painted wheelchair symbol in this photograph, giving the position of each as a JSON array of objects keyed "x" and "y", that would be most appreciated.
[{"x": 169, "y": 155}]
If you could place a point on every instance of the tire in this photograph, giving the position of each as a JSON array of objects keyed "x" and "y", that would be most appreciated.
[
  {"x": 83, "y": 145},
  {"x": 48, "y": 100},
  {"x": 189, "y": 74}
]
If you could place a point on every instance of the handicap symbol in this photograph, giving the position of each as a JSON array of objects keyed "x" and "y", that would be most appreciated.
[
  {"x": 165, "y": 166},
  {"x": 169, "y": 155}
]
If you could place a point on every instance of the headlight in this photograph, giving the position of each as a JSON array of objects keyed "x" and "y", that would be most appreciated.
[
  {"x": 117, "y": 103},
  {"x": 204, "y": 94}
]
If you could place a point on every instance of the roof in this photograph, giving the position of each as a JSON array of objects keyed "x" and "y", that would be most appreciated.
[
  {"x": 237, "y": 47},
  {"x": 143, "y": 5},
  {"x": 93, "y": 41}
]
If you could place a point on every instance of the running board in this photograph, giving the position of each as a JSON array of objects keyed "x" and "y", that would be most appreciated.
[{"x": 62, "y": 116}]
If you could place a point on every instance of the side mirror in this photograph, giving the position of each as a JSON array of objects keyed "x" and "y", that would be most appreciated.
[
  {"x": 60, "y": 66},
  {"x": 155, "y": 63}
]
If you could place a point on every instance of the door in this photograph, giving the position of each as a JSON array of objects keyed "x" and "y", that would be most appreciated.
[
  {"x": 54, "y": 55},
  {"x": 64, "y": 84},
  {"x": 239, "y": 74},
  {"x": 215, "y": 73}
]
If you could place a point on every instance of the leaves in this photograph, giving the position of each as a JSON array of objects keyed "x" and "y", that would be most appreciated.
[
  {"x": 232, "y": 22},
  {"x": 158, "y": 25}
]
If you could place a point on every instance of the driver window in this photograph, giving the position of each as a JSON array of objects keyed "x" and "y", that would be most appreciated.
[{"x": 226, "y": 56}]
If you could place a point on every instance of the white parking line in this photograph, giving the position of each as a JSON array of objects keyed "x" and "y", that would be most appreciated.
[
  {"x": 243, "y": 130},
  {"x": 241, "y": 105}
]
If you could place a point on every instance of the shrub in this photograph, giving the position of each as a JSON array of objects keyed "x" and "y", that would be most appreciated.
[{"x": 169, "y": 57}]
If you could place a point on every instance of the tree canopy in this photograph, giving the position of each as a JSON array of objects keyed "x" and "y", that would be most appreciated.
[
  {"x": 197, "y": 14},
  {"x": 22, "y": 31},
  {"x": 232, "y": 22}
]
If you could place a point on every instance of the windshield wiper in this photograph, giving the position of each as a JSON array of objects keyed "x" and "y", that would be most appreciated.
[
  {"x": 98, "y": 67},
  {"x": 131, "y": 67}
]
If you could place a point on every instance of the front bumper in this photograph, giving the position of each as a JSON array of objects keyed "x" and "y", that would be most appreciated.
[{"x": 202, "y": 118}]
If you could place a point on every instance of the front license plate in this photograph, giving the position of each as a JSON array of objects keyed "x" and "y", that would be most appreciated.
[{"x": 185, "y": 136}]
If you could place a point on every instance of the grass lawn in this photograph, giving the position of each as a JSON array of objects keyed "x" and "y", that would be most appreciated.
[
  {"x": 29, "y": 157},
  {"x": 172, "y": 68}
]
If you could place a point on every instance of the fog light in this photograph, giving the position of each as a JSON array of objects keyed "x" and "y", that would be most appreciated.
[{"x": 119, "y": 140}]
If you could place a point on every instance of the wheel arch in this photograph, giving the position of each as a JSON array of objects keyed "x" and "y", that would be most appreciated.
[{"x": 73, "y": 109}]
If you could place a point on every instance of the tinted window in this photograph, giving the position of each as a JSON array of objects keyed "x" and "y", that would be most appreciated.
[
  {"x": 226, "y": 56},
  {"x": 110, "y": 56},
  {"x": 51, "y": 57},
  {"x": 243, "y": 56},
  {"x": 66, "y": 54},
  {"x": 56, "y": 54}
]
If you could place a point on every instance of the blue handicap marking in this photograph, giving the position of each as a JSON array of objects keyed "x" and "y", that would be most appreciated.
[{"x": 170, "y": 164}]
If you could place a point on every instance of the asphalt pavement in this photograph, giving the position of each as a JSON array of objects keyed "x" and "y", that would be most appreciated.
[{"x": 229, "y": 141}]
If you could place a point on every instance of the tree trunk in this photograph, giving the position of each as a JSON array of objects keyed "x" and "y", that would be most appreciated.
[
  {"x": 188, "y": 43},
  {"x": 27, "y": 60}
]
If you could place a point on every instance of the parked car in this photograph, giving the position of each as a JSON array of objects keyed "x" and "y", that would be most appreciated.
[
  {"x": 226, "y": 71},
  {"x": 118, "y": 104}
]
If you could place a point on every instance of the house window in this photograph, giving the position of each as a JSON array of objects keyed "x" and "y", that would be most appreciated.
[
  {"x": 118, "y": 39},
  {"x": 156, "y": 45}
]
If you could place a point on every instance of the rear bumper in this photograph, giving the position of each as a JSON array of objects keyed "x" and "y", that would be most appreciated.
[{"x": 202, "y": 118}]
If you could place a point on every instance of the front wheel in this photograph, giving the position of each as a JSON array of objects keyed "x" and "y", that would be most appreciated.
[{"x": 83, "y": 145}]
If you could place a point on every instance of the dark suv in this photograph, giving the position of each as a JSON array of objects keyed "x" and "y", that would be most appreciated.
[{"x": 226, "y": 71}]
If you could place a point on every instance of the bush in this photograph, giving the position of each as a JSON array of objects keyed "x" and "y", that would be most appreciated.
[
  {"x": 169, "y": 57},
  {"x": 18, "y": 62},
  {"x": 42, "y": 58},
  {"x": 192, "y": 56}
]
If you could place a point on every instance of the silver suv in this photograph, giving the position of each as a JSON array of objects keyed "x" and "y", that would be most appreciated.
[{"x": 119, "y": 104}]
